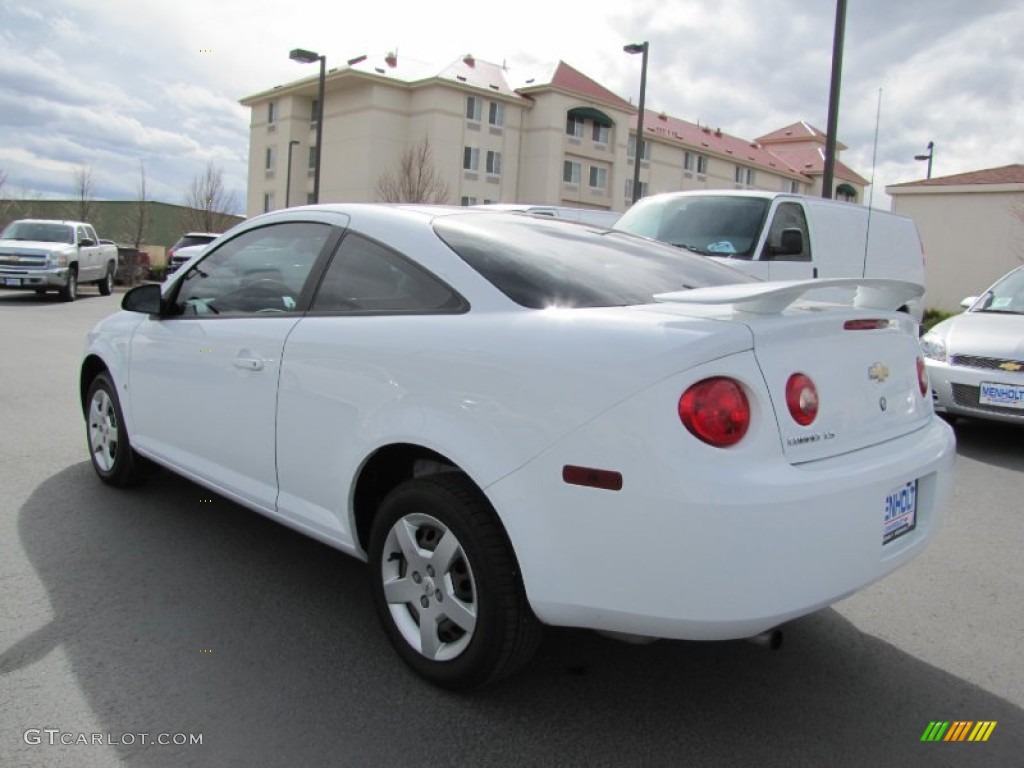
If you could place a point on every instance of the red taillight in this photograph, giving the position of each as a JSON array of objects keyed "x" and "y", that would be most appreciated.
[
  {"x": 802, "y": 399},
  {"x": 716, "y": 411},
  {"x": 922, "y": 377}
]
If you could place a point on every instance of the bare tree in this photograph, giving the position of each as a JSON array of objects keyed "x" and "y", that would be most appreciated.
[
  {"x": 14, "y": 204},
  {"x": 415, "y": 180},
  {"x": 6, "y": 204},
  {"x": 209, "y": 205},
  {"x": 136, "y": 223},
  {"x": 82, "y": 204}
]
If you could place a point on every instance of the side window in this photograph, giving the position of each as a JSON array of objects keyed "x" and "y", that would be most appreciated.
[
  {"x": 367, "y": 277},
  {"x": 260, "y": 271},
  {"x": 787, "y": 216},
  {"x": 82, "y": 234}
]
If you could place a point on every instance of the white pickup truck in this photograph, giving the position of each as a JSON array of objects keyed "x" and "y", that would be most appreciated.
[{"x": 48, "y": 255}]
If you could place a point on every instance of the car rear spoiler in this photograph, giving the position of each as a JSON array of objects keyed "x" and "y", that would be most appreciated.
[{"x": 771, "y": 298}]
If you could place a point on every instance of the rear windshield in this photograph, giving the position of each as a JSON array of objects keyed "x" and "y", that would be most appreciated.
[
  {"x": 539, "y": 263},
  {"x": 189, "y": 240}
]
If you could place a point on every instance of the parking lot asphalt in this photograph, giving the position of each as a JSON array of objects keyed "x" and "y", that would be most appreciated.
[{"x": 166, "y": 609}]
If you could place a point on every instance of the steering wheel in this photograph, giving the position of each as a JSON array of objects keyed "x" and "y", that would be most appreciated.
[{"x": 258, "y": 296}]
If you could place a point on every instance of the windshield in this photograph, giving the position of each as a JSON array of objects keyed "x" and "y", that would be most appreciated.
[
  {"x": 1006, "y": 296},
  {"x": 710, "y": 225},
  {"x": 541, "y": 263},
  {"x": 39, "y": 231}
]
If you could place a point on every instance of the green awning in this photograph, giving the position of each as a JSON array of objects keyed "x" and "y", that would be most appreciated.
[{"x": 595, "y": 115}]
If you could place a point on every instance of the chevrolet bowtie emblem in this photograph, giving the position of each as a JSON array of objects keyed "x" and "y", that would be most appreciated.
[
  {"x": 1009, "y": 365},
  {"x": 878, "y": 372}
]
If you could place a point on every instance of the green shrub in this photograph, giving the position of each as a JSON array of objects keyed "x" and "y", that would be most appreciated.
[{"x": 934, "y": 317}]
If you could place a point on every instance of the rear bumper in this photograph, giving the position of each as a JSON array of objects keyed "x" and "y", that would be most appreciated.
[
  {"x": 955, "y": 391},
  {"x": 35, "y": 279},
  {"x": 717, "y": 550}
]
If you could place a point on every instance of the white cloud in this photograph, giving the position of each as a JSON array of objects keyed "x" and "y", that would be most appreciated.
[{"x": 164, "y": 84}]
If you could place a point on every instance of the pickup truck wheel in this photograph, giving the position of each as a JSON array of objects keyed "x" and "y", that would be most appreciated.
[
  {"x": 70, "y": 291},
  {"x": 111, "y": 453},
  {"x": 445, "y": 584},
  {"x": 106, "y": 285}
]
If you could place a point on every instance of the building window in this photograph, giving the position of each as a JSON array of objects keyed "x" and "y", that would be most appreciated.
[
  {"x": 271, "y": 157},
  {"x": 702, "y": 164},
  {"x": 738, "y": 175},
  {"x": 268, "y": 202},
  {"x": 598, "y": 177},
  {"x": 314, "y": 111},
  {"x": 272, "y": 112},
  {"x": 629, "y": 190},
  {"x": 687, "y": 161},
  {"x": 310, "y": 199},
  {"x": 750, "y": 176},
  {"x": 470, "y": 159},
  {"x": 601, "y": 133},
  {"x": 466, "y": 200},
  {"x": 793, "y": 187},
  {"x": 574, "y": 126},
  {"x": 572, "y": 172},
  {"x": 496, "y": 113},
  {"x": 473, "y": 108},
  {"x": 631, "y": 150},
  {"x": 493, "y": 162},
  {"x": 312, "y": 158}
]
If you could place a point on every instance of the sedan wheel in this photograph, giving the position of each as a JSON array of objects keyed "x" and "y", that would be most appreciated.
[
  {"x": 445, "y": 584},
  {"x": 111, "y": 454}
]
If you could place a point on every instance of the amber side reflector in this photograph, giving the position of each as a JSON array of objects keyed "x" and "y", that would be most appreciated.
[
  {"x": 594, "y": 478},
  {"x": 865, "y": 325}
]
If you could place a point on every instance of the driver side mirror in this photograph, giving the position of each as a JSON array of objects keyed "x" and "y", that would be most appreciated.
[
  {"x": 145, "y": 299},
  {"x": 790, "y": 244},
  {"x": 966, "y": 303}
]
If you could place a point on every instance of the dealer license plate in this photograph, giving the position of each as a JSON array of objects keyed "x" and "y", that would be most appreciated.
[
  {"x": 900, "y": 512},
  {"x": 12, "y": 282},
  {"x": 1005, "y": 395}
]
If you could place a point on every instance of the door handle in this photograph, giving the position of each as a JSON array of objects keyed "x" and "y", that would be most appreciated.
[{"x": 249, "y": 363}]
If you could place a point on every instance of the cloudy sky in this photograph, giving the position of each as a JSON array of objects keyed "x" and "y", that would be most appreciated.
[{"x": 107, "y": 83}]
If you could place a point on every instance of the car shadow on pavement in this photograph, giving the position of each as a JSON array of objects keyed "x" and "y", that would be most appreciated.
[
  {"x": 991, "y": 442},
  {"x": 182, "y": 612}
]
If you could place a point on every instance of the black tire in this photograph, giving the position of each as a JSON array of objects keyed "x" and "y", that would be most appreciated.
[
  {"x": 70, "y": 291},
  {"x": 106, "y": 285},
  {"x": 109, "y": 449},
  {"x": 480, "y": 579}
]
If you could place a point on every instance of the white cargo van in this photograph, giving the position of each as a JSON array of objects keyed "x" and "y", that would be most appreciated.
[{"x": 778, "y": 236}]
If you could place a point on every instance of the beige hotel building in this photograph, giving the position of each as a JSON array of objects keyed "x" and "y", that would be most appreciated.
[{"x": 549, "y": 136}]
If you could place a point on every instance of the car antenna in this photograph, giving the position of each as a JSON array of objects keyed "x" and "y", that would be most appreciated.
[{"x": 871, "y": 194}]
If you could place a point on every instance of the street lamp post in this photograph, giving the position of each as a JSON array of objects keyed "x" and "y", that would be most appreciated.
[
  {"x": 288, "y": 175},
  {"x": 639, "y": 48},
  {"x": 928, "y": 157},
  {"x": 308, "y": 57}
]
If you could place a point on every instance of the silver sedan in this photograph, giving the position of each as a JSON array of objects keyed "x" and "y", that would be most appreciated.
[{"x": 975, "y": 360}]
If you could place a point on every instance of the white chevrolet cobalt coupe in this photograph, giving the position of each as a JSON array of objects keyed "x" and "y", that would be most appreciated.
[{"x": 521, "y": 421}]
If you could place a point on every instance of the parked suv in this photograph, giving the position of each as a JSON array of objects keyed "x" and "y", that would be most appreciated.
[{"x": 188, "y": 239}]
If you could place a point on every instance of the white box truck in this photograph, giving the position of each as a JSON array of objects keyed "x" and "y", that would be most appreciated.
[{"x": 779, "y": 236}]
